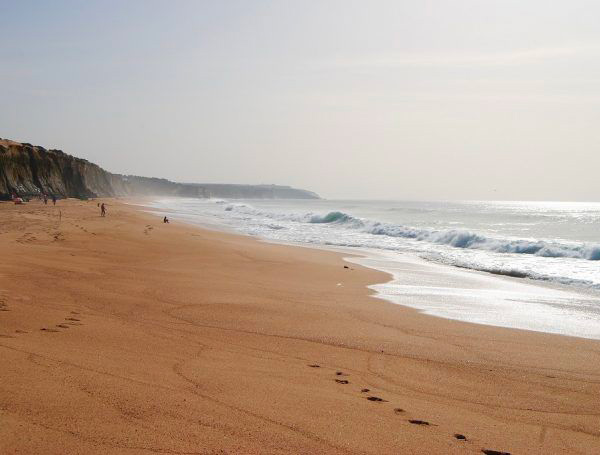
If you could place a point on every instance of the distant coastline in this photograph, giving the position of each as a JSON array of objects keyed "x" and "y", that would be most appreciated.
[{"x": 28, "y": 171}]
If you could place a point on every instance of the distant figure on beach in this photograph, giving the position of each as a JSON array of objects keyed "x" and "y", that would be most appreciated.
[
  {"x": 165, "y": 220},
  {"x": 102, "y": 210},
  {"x": 53, "y": 199},
  {"x": 45, "y": 199}
]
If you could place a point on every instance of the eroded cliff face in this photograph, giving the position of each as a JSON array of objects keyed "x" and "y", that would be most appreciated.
[{"x": 27, "y": 170}]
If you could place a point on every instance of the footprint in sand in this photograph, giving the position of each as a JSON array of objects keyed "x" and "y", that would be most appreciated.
[
  {"x": 62, "y": 326},
  {"x": 494, "y": 452},
  {"x": 341, "y": 381},
  {"x": 315, "y": 366},
  {"x": 44, "y": 329},
  {"x": 419, "y": 422},
  {"x": 20, "y": 331},
  {"x": 365, "y": 390},
  {"x": 73, "y": 321},
  {"x": 399, "y": 411},
  {"x": 460, "y": 437},
  {"x": 381, "y": 400}
]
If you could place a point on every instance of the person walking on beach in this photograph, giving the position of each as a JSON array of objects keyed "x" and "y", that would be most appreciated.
[
  {"x": 53, "y": 199},
  {"x": 102, "y": 210},
  {"x": 165, "y": 220}
]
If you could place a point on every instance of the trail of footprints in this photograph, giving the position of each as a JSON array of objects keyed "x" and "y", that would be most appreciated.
[
  {"x": 83, "y": 229},
  {"x": 400, "y": 411},
  {"x": 67, "y": 324},
  {"x": 80, "y": 227}
]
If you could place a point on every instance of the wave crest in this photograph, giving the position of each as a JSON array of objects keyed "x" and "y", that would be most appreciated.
[{"x": 332, "y": 217}]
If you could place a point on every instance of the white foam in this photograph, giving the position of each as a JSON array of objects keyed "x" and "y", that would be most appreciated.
[{"x": 463, "y": 295}]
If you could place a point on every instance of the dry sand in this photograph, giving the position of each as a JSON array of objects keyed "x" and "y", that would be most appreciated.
[{"x": 125, "y": 335}]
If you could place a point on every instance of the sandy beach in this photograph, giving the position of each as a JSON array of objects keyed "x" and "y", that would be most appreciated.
[{"x": 126, "y": 335}]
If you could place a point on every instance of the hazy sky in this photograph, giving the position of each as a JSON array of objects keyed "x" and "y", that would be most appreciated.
[{"x": 372, "y": 99}]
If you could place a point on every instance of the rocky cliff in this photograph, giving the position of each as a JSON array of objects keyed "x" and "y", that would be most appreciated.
[{"x": 28, "y": 170}]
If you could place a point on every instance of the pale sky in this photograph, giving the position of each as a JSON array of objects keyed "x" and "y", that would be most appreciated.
[{"x": 352, "y": 99}]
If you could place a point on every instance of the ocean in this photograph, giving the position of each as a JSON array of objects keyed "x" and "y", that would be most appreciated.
[{"x": 526, "y": 265}]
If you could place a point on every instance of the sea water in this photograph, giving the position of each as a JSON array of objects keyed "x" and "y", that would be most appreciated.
[{"x": 447, "y": 258}]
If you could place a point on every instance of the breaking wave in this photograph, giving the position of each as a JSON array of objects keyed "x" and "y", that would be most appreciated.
[
  {"x": 332, "y": 217},
  {"x": 472, "y": 240},
  {"x": 455, "y": 238}
]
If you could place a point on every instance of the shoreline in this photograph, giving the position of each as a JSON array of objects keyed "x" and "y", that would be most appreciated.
[
  {"x": 182, "y": 339},
  {"x": 536, "y": 314}
]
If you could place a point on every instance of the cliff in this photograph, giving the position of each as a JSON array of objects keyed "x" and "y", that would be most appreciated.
[{"x": 28, "y": 170}]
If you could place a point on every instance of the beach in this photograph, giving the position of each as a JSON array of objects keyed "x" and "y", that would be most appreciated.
[{"x": 126, "y": 335}]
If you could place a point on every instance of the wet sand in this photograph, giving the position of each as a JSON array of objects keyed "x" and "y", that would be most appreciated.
[{"x": 126, "y": 335}]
